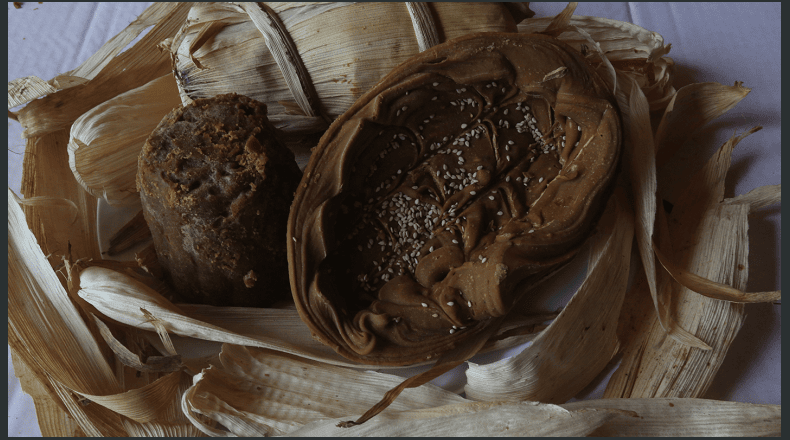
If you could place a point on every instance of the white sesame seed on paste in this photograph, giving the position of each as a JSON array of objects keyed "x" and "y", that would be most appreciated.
[
  {"x": 424, "y": 305},
  {"x": 450, "y": 303}
]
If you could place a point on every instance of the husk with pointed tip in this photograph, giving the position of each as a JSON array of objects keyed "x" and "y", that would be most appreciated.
[
  {"x": 689, "y": 109},
  {"x": 698, "y": 227},
  {"x": 105, "y": 142},
  {"x": 632, "y": 50},
  {"x": 129, "y": 301},
  {"x": 254, "y": 392}
]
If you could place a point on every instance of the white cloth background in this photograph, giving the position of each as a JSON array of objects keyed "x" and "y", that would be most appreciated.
[{"x": 724, "y": 43}]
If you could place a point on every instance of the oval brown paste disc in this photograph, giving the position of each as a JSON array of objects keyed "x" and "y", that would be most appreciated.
[{"x": 475, "y": 167}]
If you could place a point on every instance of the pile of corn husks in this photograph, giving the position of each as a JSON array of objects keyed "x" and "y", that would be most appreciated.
[{"x": 96, "y": 340}]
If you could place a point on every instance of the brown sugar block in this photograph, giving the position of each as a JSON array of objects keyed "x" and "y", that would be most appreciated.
[
  {"x": 216, "y": 187},
  {"x": 470, "y": 172}
]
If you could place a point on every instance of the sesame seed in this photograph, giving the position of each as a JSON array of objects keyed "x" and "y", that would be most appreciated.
[
  {"x": 452, "y": 331},
  {"x": 472, "y": 192},
  {"x": 483, "y": 260},
  {"x": 435, "y": 315},
  {"x": 435, "y": 84},
  {"x": 491, "y": 197},
  {"x": 540, "y": 180},
  {"x": 450, "y": 303},
  {"x": 463, "y": 125},
  {"x": 531, "y": 231},
  {"x": 499, "y": 213},
  {"x": 469, "y": 303},
  {"x": 455, "y": 241},
  {"x": 424, "y": 305}
]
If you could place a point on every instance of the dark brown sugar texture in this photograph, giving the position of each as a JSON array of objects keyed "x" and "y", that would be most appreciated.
[
  {"x": 216, "y": 186},
  {"x": 468, "y": 173}
]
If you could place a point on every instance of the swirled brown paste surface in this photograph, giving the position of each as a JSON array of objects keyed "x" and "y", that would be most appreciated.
[{"x": 476, "y": 166}]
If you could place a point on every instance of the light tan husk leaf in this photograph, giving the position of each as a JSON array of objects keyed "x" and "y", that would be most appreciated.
[
  {"x": 581, "y": 341},
  {"x": 698, "y": 227},
  {"x": 105, "y": 141}
]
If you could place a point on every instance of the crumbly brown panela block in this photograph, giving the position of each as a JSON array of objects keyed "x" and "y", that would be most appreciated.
[{"x": 216, "y": 187}]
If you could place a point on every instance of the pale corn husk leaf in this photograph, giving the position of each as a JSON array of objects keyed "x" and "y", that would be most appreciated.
[
  {"x": 581, "y": 341},
  {"x": 24, "y": 90},
  {"x": 129, "y": 301},
  {"x": 692, "y": 107},
  {"x": 604, "y": 417},
  {"x": 154, "y": 364},
  {"x": 639, "y": 158},
  {"x": 758, "y": 198},
  {"x": 560, "y": 22},
  {"x": 675, "y": 417},
  {"x": 41, "y": 313},
  {"x": 133, "y": 68},
  {"x": 474, "y": 419},
  {"x": 699, "y": 227},
  {"x": 53, "y": 418},
  {"x": 49, "y": 202},
  {"x": 123, "y": 298},
  {"x": 377, "y": 38},
  {"x": 632, "y": 50},
  {"x": 105, "y": 142},
  {"x": 424, "y": 28},
  {"x": 261, "y": 392},
  {"x": 712, "y": 289}
]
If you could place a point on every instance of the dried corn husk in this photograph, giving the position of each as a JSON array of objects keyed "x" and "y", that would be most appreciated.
[
  {"x": 262, "y": 392},
  {"x": 641, "y": 166},
  {"x": 631, "y": 50},
  {"x": 257, "y": 392},
  {"x": 247, "y": 49},
  {"x": 63, "y": 344},
  {"x": 105, "y": 141},
  {"x": 690, "y": 108},
  {"x": 577, "y": 345},
  {"x": 129, "y": 301},
  {"x": 699, "y": 226}
]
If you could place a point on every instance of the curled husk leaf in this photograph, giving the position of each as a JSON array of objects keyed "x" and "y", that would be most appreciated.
[
  {"x": 105, "y": 142},
  {"x": 631, "y": 50}
]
